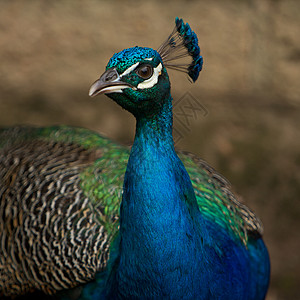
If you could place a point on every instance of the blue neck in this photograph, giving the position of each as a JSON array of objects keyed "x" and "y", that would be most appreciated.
[
  {"x": 166, "y": 248},
  {"x": 156, "y": 217},
  {"x": 154, "y": 134}
]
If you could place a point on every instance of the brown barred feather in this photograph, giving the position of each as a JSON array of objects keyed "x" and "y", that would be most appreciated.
[{"x": 50, "y": 234}]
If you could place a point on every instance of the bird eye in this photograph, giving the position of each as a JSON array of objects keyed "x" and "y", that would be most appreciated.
[{"x": 145, "y": 71}]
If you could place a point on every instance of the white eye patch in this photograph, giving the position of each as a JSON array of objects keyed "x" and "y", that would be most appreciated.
[
  {"x": 130, "y": 69},
  {"x": 149, "y": 83}
]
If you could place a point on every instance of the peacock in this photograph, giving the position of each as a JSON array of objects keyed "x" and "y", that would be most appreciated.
[{"x": 82, "y": 217}]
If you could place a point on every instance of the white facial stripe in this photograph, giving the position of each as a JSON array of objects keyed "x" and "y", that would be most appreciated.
[
  {"x": 151, "y": 58},
  {"x": 130, "y": 69},
  {"x": 149, "y": 83}
]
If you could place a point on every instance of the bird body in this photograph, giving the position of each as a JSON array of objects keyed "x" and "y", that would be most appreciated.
[{"x": 167, "y": 227}]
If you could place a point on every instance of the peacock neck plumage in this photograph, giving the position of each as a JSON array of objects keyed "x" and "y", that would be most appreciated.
[
  {"x": 154, "y": 132},
  {"x": 156, "y": 226}
]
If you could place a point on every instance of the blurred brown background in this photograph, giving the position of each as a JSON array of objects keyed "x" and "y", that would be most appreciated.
[{"x": 51, "y": 51}]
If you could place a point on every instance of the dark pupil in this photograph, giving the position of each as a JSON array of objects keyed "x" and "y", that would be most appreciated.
[{"x": 145, "y": 72}]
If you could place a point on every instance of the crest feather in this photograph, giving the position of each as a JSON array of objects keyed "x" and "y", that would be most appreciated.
[{"x": 181, "y": 43}]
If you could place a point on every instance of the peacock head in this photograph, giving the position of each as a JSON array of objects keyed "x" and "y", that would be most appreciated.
[{"x": 137, "y": 79}]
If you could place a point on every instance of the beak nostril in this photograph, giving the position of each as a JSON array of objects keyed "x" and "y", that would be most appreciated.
[{"x": 111, "y": 76}]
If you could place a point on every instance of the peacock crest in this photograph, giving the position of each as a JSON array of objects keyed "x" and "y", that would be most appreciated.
[{"x": 182, "y": 43}]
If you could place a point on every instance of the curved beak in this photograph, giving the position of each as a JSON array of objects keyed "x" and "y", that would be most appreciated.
[{"x": 109, "y": 82}]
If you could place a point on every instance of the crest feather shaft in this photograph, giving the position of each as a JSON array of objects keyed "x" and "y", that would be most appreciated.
[{"x": 182, "y": 43}]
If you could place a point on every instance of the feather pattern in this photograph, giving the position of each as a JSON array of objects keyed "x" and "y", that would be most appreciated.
[{"x": 47, "y": 220}]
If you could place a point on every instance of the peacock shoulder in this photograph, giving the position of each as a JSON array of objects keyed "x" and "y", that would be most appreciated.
[{"x": 217, "y": 202}]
